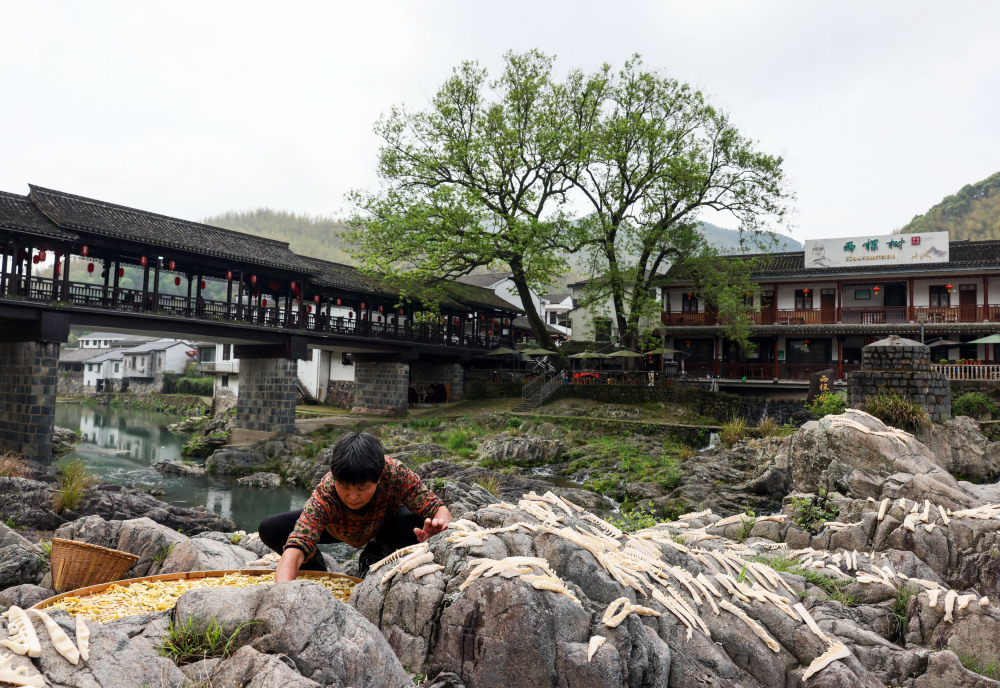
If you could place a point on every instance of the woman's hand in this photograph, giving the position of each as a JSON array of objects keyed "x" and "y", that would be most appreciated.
[
  {"x": 288, "y": 565},
  {"x": 433, "y": 526}
]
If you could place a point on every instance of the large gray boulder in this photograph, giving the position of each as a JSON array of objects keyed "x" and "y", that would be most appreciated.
[
  {"x": 202, "y": 554},
  {"x": 174, "y": 467},
  {"x": 145, "y": 538},
  {"x": 114, "y": 662},
  {"x": 24, "y": 596},
  {"x": 249, "y": 668},
  {"x": 519, "y": 450},
  {"x": 960, "y": 447},
  {"x": 328, "y": 641},
  {"x": 19, "y": 565}
]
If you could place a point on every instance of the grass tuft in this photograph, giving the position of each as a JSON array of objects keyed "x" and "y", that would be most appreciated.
[
  {"x": 768, "y": 427},
  {"x": 984, "y": 666},
  {"x": 733, "y": 430},
  {"x": 897, "y": 411},
  {"x": 633, "y": 519},
  {"x": 13, "y": 466},
  {"x": 898, "y": 613},
  {"x": 184, "y": 643},
  {"x": 73, "y": 479},
  {"x": 490, "y": 483}
]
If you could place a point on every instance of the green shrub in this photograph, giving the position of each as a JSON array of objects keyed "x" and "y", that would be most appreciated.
[
  {"x": 733, "y": 430},
  {"x": 514, "y": 422},
  {"x": 633, "y": 518},
  {"x": 825, "y": 405},
  {"x": 490, "y": 483},
  {"x": 896, "y": 410},
  {"x": 973, "y": 404},
  {"x": 196, "y": 386},
  {"x": 812, "y": 512},
  {"x": 74, "y": 479}
]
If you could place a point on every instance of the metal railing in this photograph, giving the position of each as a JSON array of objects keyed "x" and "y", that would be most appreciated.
[{"x": 551, "y": 387}]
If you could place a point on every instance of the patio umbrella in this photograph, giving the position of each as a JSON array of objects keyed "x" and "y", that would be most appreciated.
[
  {"x": 537, "y": 352},
  {"x": 587, "y": 354},
  {"x": 501, "y": 351},
  {"x": 950, "y": 344},
  {"x": 623, "y": 353},
  {"x": 664, "y": 350},
  {"x": 992, "y": 339}
]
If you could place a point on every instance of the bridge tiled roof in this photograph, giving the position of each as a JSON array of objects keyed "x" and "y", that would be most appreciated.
[
  {"x": 19, "y": 213},
  {"x": 108, "y": 219}
]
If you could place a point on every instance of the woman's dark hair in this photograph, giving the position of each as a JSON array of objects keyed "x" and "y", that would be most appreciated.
[{"x": 357, "y": 459}]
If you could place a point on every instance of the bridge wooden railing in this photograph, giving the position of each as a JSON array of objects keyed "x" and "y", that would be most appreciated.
[{"x": 272, "y": 316}]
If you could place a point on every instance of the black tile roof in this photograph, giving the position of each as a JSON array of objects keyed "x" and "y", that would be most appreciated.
[
  {"x": 962, "y": 255},
  {"x": 108, "y": 219},
  {"x": 19, "y": 213}
]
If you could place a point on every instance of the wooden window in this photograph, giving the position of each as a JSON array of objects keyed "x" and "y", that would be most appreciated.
[
  {"x": 803, "y": 299},
  {"x": 602, "y": 329},
  {"x": 939, "y": 296},
  {"x": 689, "y": 304}
]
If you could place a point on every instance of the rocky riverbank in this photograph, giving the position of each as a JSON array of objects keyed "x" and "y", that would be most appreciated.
[{"x": 876, "y": 567}]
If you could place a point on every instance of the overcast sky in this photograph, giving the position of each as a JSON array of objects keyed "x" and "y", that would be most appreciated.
[{"x": 193, "y": 108}]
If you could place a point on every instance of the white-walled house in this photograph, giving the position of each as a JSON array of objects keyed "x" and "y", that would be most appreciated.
[
  {"x": 595, "y": 322},
  {"x": 144, "y": 365},
  {"x": 107, "y": 340},
  {"x": 103, "y": 373},
  {"x": 503, "y": 286},
  {"x": 555, "y": 311}
]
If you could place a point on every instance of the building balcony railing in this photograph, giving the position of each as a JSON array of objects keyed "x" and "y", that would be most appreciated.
[
  {"x": 969, "y": 371},
  {"x": 848, "y": 315},
  {"x": 218, "y": 367}
]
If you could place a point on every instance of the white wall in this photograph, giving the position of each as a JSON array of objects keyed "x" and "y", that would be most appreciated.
[
  {"x": 175, "y": 359},
  {"x": 338, "y": 371}
]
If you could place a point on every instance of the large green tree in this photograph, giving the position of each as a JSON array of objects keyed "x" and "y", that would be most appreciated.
[
  {"x": 478, "y": 178},
  {"x": 656, "y": 155}
]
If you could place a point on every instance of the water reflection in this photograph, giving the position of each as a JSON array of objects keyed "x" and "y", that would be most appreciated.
[{"x": 120, "y": 446}]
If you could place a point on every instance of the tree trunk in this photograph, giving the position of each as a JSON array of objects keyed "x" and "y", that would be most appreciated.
[{"x": 535, "y": 320}]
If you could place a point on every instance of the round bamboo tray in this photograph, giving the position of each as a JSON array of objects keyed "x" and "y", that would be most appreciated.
[
  {"x": 183, "y": 575},
  {"x": 78, "y": 564}
]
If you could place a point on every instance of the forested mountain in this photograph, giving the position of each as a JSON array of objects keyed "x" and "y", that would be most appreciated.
[
  {"x": 316, "y": 237},
  {"x": 972, "y": 213}
]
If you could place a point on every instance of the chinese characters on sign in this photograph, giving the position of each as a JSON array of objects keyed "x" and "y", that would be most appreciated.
[
  {"x": 898, "y": 243},
  {"x": 889, "y": 249},
  {"x": 849, "y": 246},
  {"x": 824, "y": 384},
  {"x": 871, "y": 244}
]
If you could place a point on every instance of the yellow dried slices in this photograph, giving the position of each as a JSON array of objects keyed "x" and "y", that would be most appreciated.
[{"x": 154, "y": 596}]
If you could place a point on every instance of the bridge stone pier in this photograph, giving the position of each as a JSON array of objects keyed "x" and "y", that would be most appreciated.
[
  {"x": 266, "y": 401},
  {"x": 380, "y": 385},
  {"x": 29, "y": 371}
]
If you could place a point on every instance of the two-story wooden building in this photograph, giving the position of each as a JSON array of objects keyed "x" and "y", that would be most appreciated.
[{"x": 816, "y": 309}]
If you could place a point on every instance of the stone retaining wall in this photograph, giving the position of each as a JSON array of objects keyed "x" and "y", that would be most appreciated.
[
  {"x": 451, "y": 375},
  {"x": 340, "y": 393}
]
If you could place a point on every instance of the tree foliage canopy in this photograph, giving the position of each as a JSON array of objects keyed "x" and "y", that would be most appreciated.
[{"x": 488, "y": 173}]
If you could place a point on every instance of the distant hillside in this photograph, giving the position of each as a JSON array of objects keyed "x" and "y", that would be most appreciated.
[
  {"x": 316, "y": 237},
  {"x": 972, "y": 213},
  {"x": 320, "y": 237}
]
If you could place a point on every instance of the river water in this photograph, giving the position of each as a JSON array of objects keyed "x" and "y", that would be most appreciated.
[{"x": 120, "y": 446}]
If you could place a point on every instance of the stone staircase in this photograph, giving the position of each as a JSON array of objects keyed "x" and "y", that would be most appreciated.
[{"x": 304, "y": 392}]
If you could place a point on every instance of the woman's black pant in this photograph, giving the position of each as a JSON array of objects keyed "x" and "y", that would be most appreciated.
[{"x": 395, "y": 534}]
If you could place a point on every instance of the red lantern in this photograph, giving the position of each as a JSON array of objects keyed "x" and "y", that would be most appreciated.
[
  {"x": 296, "y": 288},
  {"x": 316, "y": 298},
  {"x": 177, "y": 281},
  {"x": 202, "y": 283},
  {"x": 401, "y": 311},
  {"x": 121, "y": 272},
  {"x": 274, "y": 285},
  {"x": 309, "y": 309},
  {"x": 264, "y": 303},
  {"x": 457, "y": 322},
  {"x": 143, "y": 261},
  {"x": 350, "y": 314},
  {"x": 171, "y": 264},
  {"x": 84, "y": 250},
  {"x": 687, "y": 342},
  {"x": 229, "y": 275},
  {"x": 948, "y": 287},
  {"x": 362, "y": 305},
  {"x": 41, "y": 256},
  {"x": 380, "y": 318},
  {"x": 690, "y": 294},
  {"x": 57, "y": 269},
  {"x": 90, "y": 267},
  {"x": 34, "y": 260},
  {"x": 338, "y": 302},
  {"x": 876, "y": 289},
  {"x": 806, "y": 292},
  {"x": 380, "y": 309}
]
